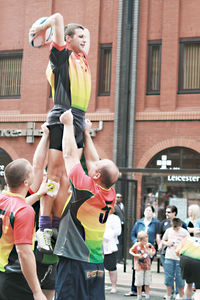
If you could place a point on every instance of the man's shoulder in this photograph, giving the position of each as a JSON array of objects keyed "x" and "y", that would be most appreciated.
[
  {"x": 16, "y": 201},
  {"x": 79, "y": 178},
  {"x": 165, "y": 222},
  {"x": 77, "y": 169}
]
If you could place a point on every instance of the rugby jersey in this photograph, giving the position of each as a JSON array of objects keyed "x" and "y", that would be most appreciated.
[
  {"x": 17, "y": 219},
  {"x": 69, "y": 76},
  {"x": 83, "y": 222}
]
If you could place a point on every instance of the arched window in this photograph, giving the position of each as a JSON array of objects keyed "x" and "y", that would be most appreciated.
[{"x": 181, "y": 190}]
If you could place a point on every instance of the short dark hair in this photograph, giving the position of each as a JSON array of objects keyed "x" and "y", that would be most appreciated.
[
  {"x": 176, "y": 222},
  {"x": 69, "y": 29},
  {"x": 16, "y": 172},
  {"x": 173, "y": 209}
]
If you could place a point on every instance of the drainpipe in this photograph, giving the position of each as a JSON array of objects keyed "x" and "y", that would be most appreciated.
[
  {"x": 117, "y": 87},
  {"x": 133, "y": 83}
]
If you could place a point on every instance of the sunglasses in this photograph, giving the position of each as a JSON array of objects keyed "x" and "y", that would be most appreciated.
[{"x": 168, "y": 212}]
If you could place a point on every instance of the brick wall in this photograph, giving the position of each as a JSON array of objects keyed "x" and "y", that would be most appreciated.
[{"x": 16, "y": 19}]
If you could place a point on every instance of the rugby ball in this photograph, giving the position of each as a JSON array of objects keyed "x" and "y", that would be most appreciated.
[{"x": 43, "y": 38}]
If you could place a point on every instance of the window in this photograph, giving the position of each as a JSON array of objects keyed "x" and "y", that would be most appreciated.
[
  {"x": 105, "y": 70},
  {"x": 154, "y": 68},
  {"x": 189, "y": 66},
  {"x": 10, "y": 74}
]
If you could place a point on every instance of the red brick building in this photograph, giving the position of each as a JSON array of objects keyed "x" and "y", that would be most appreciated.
[
  {"x": 145, "y": 64},
  {"x": 25, "y": 103},
  {"x": 168, "y": 107}
]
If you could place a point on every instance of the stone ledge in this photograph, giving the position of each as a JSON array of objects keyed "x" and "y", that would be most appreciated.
[
  {"x": 168, "y": 116},
  {"x": 15, "y": 118}
]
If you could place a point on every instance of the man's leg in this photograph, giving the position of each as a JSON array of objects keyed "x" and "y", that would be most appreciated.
[
  {"x": 59, "y": 204},
  {"x": 47, "y": 275},
  {"x": 169, "y": 271},
  {"x": 179, "y": 281},
  {"x": 188, "y": 291},
  {"x": 63, "y": 192},
  {"x": 54, "y": 173}
]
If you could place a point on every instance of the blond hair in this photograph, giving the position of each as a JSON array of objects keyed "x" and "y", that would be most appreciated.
[
  {"x": 195, "y": 211},
  {"x": 142, "y": 235}
]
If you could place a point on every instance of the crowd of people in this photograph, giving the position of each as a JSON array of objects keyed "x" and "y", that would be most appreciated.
[{"x": 178, "y": 244}]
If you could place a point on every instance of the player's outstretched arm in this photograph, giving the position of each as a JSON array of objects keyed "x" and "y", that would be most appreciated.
[
  {"x": 57, "y": 23},
  {"x": 91, "y": 155},
  {"x": 70, "y": 150}
]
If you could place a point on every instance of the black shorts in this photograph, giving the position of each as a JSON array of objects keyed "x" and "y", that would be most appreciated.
[
  {"x": 47, "y": 275},
  {"x": 190, "y": 270},
  {"x": 13, "y": 286},
  {"x": 56, "y": 135},
  {"x": 110, "y": 261},
  {"x": 77, "y": 280}
]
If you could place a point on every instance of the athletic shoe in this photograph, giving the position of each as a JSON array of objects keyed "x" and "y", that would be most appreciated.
[
  {"x": 113, "y": 291},
  {"x": 165, "y": 297},
  {"x": 130, "y": 294},
  {"x": 44, "y": 241}
]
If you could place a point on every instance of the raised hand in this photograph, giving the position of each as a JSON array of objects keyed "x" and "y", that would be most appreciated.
[
  {"x": 45, "y": 129},
  {"x": 67, "y": 118},
  {"x": 88, "y": 125}
]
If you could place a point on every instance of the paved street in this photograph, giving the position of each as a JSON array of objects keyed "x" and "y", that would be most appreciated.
[
  {"x": 125, "y": 279},
  {"x": 155, "y": 295}
]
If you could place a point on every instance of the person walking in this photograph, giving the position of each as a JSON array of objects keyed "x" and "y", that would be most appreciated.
[
  {"x": 143, "y": 251},
  {"x": 171, "y": 238},
  {"x": 110, "y": 247},
  {"x": 171, "y": 213},
  {"x": 150, "y": 225}
]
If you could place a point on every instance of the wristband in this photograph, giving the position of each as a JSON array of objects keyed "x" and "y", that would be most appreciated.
[{"x": 39, "y": 196}]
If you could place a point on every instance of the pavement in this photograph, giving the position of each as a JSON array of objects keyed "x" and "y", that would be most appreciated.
[{"x": 157, "y": 288}]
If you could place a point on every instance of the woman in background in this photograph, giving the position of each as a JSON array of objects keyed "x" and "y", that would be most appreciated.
[
  {"x": 110, "y": 248},
  {"x": 193, "y": 220}
]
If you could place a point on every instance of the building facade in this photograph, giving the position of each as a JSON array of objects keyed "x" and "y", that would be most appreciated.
[
  {"x": 168, "y": 107},
  {"x": 24, "y": 91},
  {"x": 145, "y": 65}
]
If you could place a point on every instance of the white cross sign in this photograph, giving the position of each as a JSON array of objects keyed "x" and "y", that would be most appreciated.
[{"x": 164, "y": 162}]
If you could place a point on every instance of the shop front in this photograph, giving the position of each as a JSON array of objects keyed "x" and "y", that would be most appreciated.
[{"x": 177, "y": 183}]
